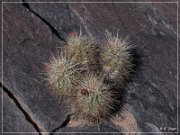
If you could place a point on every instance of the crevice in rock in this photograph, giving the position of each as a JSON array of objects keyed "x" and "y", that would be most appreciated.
[
  {"x": 24, "y": 109},
  {"x": 64, "y": 124},
  {"x": 26, "y": 5}
]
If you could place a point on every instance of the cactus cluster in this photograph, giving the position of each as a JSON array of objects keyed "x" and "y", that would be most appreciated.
[{"x": 72, "y": 75}]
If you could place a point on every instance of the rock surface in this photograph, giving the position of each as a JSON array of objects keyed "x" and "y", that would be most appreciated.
[
  {"x": 13, "y": 118},
  {"x": 90, "y": 129},
  {"x": 28, "y": 43},
  {"x": 32, "y": 32},
  {"x": 61, "y": 18}
]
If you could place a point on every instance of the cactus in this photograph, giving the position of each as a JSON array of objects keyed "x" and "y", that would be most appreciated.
[
  {"x": 92, "y": 96},
  {"x": 93, "y": 101},
  {"x": 62, "y": 74},
  {"x": 116, "y": 58},
  {"x": 79, "y": 48}
]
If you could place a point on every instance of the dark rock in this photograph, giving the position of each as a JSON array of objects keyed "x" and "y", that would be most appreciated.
[
  {"x": 134, "y": 20},
  {"x": 87, "y": 130},
  {"x": 152, "y": 128},
  {"x": 155, "y": 86},
  {"x": 27, "y": 44},
  {"x": 13, "y": 119},
  {"x": 61, "y": 18}
]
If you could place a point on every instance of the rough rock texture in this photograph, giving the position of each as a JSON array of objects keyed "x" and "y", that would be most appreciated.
[
  {"x": 13, "y": 118},
  {"x": 61, "y": 18},
  {"x": 28, "y": 43},
  {"x": 90, "y": 129},
  {"x": 31, "y": 32}
]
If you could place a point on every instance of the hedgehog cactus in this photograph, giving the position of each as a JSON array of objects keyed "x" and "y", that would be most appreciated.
[
  {"x": 79, "y": 48},
  {"x": 62, "y": 74},
  {"x": 93, "y": 101},
  {"x": 93, "y": 98},
  {"x": 116, "y": 58}
]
